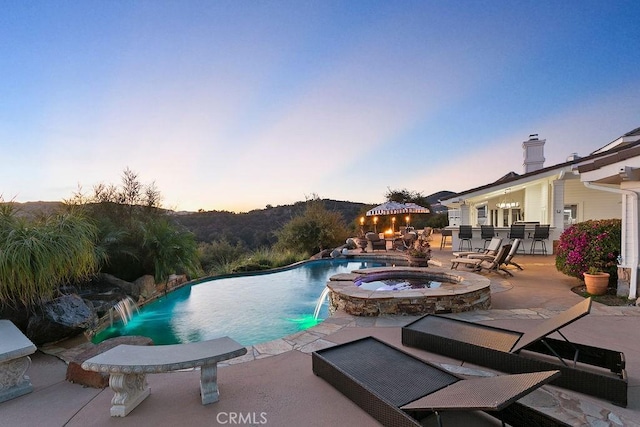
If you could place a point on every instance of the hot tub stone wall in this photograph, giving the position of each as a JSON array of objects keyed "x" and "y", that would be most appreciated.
[{"x": 467, "y": 292}]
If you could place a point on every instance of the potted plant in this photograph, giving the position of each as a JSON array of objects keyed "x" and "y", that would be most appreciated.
[
  {"x": 588, "y": 248},
  {"x": 596, "y": 281},
  {"x": 419, "y": 253}
]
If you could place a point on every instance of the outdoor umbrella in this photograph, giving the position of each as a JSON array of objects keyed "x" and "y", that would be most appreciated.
[
  {"x": 388, "y": 208},
  {"x": 396, "y": 208}
]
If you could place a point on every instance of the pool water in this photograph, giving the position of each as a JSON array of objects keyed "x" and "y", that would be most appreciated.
[
  {"x": 399, "y": 284},
  {"x": 249, "y": 309}
]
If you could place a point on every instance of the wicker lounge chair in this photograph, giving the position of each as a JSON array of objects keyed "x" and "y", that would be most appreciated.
[
  {"x": 399, "y": 389},
  {"x": 591, "y": 370},
  {"x": 375, "y": 242}
]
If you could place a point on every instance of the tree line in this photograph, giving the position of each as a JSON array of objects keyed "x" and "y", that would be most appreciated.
[{"x": 122, "y": 230}]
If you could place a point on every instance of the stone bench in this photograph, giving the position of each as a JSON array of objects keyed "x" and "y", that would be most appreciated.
[
  {"x": 15, "y": 349},
  {"x": 77, "y": 375},
  {"x": 127, "y": 366}
]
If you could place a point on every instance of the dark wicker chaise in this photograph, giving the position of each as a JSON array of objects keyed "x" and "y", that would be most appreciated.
[
  {"x": 399, "y": 389},
  {"x": 591, "y": 370},
  {"x": 375, "y": 242}
]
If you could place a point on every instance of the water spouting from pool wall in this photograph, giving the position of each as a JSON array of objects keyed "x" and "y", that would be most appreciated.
[
  {"x": 125, "y": 309},
  {"x": 321, "y": 300}
]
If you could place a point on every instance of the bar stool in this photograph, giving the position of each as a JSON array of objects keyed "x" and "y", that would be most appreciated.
[
  {"x": 487, "y": 232},
  {"x": 445, "y": 233},
  {"x": 465, "y": 234},
  {"x": 540, "y": 234},
  {"x": 517, "y": 232}
]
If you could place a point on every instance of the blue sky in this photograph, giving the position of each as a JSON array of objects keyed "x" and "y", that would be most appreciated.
[{"x": 233, "y": 105}]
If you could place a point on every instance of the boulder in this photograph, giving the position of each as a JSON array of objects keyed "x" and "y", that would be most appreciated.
[
  {"x": 147, "y": 286},
  {"x": 129, "y": 288},
  {"x": 76, "y": 374},
  {"x": 61, "y": 318}
]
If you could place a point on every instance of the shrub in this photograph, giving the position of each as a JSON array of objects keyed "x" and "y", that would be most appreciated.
[
  {"x": 316, "y": 229},
  {"x": 220, "y": 256},
  {"x": 590, "y": 244}
]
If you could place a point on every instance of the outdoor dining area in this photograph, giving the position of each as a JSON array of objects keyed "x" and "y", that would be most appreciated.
[{"x": 388, "y": 234}]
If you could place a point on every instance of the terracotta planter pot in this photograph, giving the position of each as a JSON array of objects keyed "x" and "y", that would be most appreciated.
[
  {"x": 418, "y": 262},
  {"x": 597, "y": 284}
]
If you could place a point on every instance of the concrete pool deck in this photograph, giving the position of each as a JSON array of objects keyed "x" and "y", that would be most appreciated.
[{"x": 274, "y": 384}]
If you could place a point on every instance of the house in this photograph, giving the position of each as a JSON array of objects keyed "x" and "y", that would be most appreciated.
[{"x": 604, "y": 184}]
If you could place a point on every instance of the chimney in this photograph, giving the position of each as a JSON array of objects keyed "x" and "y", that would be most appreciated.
[{"x": 533, "y": 153}]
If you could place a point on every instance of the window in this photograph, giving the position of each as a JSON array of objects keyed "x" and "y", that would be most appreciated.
[
  {"x": 482, "y": 215},
  {"x": 570, "y": 215},
  {"x": 516, "y": 215}
]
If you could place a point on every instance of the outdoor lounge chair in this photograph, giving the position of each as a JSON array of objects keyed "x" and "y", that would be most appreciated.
[
  {"x": 375, "y": 242},
  {"x": 486, "y": 263},
  {"x": 509, "y": 259},
  {"x": 408, "y": 239},
  {"x": 490, "y": 250},
  {"x": 591, "y": 370},
  {"x": 399, "y": 389}
]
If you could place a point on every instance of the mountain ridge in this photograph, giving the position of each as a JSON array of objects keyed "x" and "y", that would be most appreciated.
[{"x": 253, "y": 229}]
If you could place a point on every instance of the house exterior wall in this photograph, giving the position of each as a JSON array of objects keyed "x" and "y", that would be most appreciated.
[
  {"x": 535, "y": 202},
  {"x": 592, "y": 204}
]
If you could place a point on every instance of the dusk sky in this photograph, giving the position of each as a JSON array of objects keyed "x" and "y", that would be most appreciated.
[{"x": 234, "y": 105}]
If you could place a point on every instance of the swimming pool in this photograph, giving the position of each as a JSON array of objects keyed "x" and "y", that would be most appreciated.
[{"x": 249, "y": 309}]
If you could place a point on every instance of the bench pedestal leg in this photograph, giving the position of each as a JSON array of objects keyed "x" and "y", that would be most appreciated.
[
  {"x": 130, "y": 390},
  {"x": 13, "y": 381},
  {"x": 209, "y": 384}
]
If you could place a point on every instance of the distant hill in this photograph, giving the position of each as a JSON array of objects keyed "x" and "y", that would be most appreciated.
[
  {"x": 434, "y": 198},
  {"x": 252, "y": 229},
  {"x": 32, "y": 209},
  {"x": 256, "y": 228}
]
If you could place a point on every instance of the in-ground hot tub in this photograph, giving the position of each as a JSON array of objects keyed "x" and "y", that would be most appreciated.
[{"x": 408, "y": 290}]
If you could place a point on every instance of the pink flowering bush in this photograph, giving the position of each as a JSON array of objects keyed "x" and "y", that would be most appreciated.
[{"x": 588, "y": 245}]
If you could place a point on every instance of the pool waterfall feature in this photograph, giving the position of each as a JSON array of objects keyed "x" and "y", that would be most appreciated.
[
  {"x": 125, "y": 309},
  {"x": 422, "y": 291}
]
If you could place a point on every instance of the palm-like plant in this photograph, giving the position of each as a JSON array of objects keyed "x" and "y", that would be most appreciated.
[
  {"x": 37, "y": 256},
  {"x": 168, "y": 250}
]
